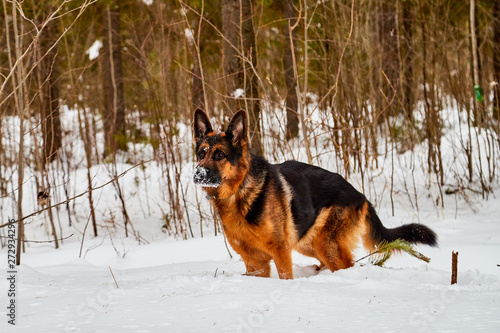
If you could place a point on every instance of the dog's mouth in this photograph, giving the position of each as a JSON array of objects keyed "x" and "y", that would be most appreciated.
[{"x": 203, "y": 177}]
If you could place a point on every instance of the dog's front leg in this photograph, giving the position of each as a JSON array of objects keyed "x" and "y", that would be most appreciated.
[
  {"x": 283, "y": 260},
  {"x": 257, "y": 262},
  {"x": 260, "y": 268}
]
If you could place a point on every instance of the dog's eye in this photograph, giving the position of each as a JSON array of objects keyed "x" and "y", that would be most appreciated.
[{"x": 219, "y": 155}]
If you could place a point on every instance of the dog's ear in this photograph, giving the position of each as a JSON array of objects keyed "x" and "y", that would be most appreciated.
[
  {"x": 202, "y": 125},
  {"x": 237, "y": 128}
]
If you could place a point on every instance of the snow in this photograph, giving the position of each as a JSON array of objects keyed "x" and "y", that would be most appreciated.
[
  {"x": 194, "y": 285},
  {"x": 189, "y": 35},
  {"x": 238, "y": 93},
  {"x": 93, "y": 51}
]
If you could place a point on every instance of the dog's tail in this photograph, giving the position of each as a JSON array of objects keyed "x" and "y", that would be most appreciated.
[{"x": 413, "y": 233}]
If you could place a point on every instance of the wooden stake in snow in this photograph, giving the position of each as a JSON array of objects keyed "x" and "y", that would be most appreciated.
[{"x": 454, "y": 265}]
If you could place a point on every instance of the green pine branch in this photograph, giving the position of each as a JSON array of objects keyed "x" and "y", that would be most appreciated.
[{"x": 386, "y": 249}]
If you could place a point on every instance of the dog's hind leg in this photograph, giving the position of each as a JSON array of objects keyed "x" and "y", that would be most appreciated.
[
  {"x": 332, "y": 253},
  {"x": 308, "y": 250}
]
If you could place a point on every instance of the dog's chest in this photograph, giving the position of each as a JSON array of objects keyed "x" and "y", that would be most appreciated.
[{"x": 235, "y": 223}]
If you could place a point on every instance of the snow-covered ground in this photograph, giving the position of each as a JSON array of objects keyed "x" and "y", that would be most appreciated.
[
  {"x": 116, "y": 284},
  {"x": 194, "y": 286}
]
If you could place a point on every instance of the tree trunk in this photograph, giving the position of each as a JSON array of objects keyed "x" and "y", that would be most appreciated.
[
  {"x": 496, "y": 59},
  {"x": 390, "y": 59},
  {"x": 252, "y": 102},
  {"x": 114, "y": 102},
  {"x": 292, "y": 117},
  {"x": 239, "y": 44},
  {"x": 197, "y": 87},
  {"x": 406, "y": 45},
  {"x": 195, "y": 44},
  {"x": 14, "y": 53},
  {"x": 49, "y": 91},
  {"x": 476, "y": 70},
  {"x": 232, "y": 61}
]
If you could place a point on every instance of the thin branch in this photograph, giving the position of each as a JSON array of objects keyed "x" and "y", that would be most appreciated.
[
  {"x": 34, "y": 42},
  {"x": 115, "y": 178},
  {"x": 113, "y": 277},
  {"x": 38, "y": 241}
]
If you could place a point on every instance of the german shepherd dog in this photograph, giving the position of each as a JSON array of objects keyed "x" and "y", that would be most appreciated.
[{"x": 267, "y": 210}]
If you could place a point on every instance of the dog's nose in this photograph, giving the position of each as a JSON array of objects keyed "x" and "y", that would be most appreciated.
[
  {"x": 206, "y": 177},
  {"x": 200, "y": 174}
]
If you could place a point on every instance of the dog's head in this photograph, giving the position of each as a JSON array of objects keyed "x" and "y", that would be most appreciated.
[{"x": 222, "y": 156}]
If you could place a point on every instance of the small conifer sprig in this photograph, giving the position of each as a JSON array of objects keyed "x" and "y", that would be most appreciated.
[{"x": 386, "y": 249}]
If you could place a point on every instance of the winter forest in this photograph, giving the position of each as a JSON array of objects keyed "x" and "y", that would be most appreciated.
[{"x": 400, "y": 97}]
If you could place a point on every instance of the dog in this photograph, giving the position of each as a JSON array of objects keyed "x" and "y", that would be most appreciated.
[{"x": 268, "y": 210}]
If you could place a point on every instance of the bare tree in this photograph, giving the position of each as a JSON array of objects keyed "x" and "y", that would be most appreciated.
[
  {"x": 240, "y": 63},
  {"x": 195, "y": 45},
  {"x": 476, "y": 69},
  {"x": 406, "y": 55},
  {"x": 112, "y": 80},
  {"x": 18, "y": 71},
  {"x": 496, "y": 59},
  {"x": 232, "y": 60},
  {"x": 389, "y": 53},
  {"x": 291, "y": 103},
  {"x": 49, "y": 86}
]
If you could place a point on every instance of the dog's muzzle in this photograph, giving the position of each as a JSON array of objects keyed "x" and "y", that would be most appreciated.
[{"x": 204, "y": 177}]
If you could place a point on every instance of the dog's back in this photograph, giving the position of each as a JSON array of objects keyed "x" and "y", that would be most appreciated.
[{"x": 314, "y": 189}]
